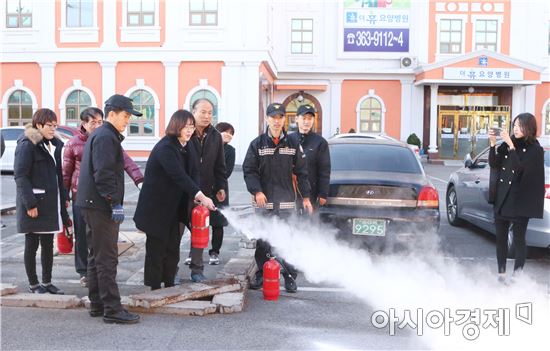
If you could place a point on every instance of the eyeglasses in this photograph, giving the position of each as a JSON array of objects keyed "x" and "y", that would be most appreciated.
[
  {"x": 50, "y": 125},
  {"x": 189, "y": 127}
]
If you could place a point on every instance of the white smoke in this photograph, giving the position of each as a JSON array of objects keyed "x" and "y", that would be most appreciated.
[{"x": 421, "y": 278}]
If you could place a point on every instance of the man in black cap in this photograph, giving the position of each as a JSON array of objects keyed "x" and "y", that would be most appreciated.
[
  {"x": 101, "y": 195},
  {"x": 317, "y": 155},
  {"x": 271, "y": 161}
]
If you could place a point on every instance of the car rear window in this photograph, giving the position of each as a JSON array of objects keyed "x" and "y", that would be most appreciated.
[
  {"x": 11, "y": 134},
  {"x": 373, "y": 157}
]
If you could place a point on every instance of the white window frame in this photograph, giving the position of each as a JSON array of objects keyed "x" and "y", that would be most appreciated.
[
  {"x": 137, "y": 34},
  {"x": 203, "y": 85},
  {"x": 301, "y": 31},
  {"x": 142, "y": 142},
  {"x": 203, "y": 25},
  {"x": 17, "y": 85},
  {"x": 544, "y": 107},
  {"x": 5, "y": 13},
  {"x": 465, "y": 22},
  {"x": 371, "y": 94},
  {"x": 77, "y": 85},
  {"x": 498, "y": 18},
  {"x": 78, "y": 34}
]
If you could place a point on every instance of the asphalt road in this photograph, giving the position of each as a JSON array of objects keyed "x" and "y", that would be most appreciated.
[{"x": 456, "y": 269}]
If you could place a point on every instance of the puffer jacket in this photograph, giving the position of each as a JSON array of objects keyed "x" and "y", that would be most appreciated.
[
  {"x": 73, "y": 155},
  {"x": 39, "y": 183}
]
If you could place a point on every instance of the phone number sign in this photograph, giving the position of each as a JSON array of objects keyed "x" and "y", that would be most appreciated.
[{"x": 376, "y": 39}]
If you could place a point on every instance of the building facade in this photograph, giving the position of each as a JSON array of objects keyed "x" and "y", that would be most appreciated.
[{"x": 444, "y": 70}]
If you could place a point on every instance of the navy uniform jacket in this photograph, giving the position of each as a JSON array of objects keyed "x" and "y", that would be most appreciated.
[
  {"x": 318, "y": 162},
  {"x": 268, "y": 168}
]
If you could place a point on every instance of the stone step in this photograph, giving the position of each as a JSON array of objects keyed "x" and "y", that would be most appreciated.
[{"x": 41, "y": 300}]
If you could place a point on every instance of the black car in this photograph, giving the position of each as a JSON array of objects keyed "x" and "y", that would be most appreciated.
[{"x": 379, "y": 193}]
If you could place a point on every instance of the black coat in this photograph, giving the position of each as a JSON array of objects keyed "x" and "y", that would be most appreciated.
[
  {"x": 211, "y": 161},
  {"x": 517, "y": 179},
  {"x": 269, "y": 168},
  {"x": 318, "y": 162},
  {"x": 101, "y": 179},
  {"x": 34, "y": 169},
  {"x": 229, "y": 152},
  {"x": 169, "y": 187}
]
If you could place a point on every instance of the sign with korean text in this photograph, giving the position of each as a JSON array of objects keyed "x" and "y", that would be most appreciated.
[
  {"x": 376, "y": 25},
  {"x": 476, "y": 73}
]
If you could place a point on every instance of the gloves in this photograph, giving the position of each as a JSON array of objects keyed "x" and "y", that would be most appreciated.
[{"x": 117, "y": 214}]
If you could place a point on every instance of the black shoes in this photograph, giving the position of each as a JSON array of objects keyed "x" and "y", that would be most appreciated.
[
  {"x": 122, "y": 317},
  {"x": 96, "y": 311},
  {"x": 37, "y": 289},
  {"x": 290, "y": 284},
  {"x": 258, "y": 282}
]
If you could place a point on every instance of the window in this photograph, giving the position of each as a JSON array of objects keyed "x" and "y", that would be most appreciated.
[
  {"x": 19, "y": 108},
  {"x": 203, "y": 12},
  {"x": 141, "y": 13},
  {"x": 144, "y": 103},
  {"x": 80, "y": 13},
  {"x": 450, "y": 36},
  {"x": 486, "y": 34},
  {"x": 373, "y": 157},
  {"x": 370, "y": 116},
  {"x": 301, "y": 41},
  {"x": 18, "y": 14},
  {"x": 77, "y": 101},
  {"x": 207, "y": 94}
]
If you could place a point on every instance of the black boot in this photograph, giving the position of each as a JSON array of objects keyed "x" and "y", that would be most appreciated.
[
  {"x": 258, "y": 282},
  {"x": 122, "y": 317}
]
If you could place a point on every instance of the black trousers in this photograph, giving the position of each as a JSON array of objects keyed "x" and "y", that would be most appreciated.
[
  {"x": 162, "y": 256},
  {"x": 46, "y": 256},
  {"x": 81, "y": 245},
  {"x": 519, "y": 228},
  {"x": 264, "y": 250},
  {"x": 102, "y": 238},
  {"x": 217, "y": 240}
]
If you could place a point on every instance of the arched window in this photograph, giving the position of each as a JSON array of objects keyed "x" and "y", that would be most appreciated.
[
  {"x": 19, "y": 108},
  {"x": 77, "y": 101},
  {"x": 546, "y": 117},
  {"x": 144, "y": 103},
  {"x": 206, "y": 94},
  {"x": 370, "y": 116},
  {"x": 291, "y": 110}
]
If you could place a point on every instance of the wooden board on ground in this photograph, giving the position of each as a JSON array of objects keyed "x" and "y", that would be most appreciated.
[{"x": 188, "y": 291}]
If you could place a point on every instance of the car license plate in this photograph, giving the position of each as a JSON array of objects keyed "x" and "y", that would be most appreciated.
[{"x": 366, "y": 226}]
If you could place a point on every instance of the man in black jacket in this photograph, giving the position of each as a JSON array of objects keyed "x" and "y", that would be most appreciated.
[
  {"x": 317, "y": 155},
  {"x": 208, "y": 145},
  {"x": 101, "y": 196},
  {"x": 271, "y": 161}
]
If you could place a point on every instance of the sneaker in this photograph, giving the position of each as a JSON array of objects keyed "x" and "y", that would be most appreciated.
[
  {"x": 52, "y": 289},
  {"x": 214, "y": 259},
  {"x": 258, "y": 282},
  {"x": 290, "y": 284},
  {"x": 84, "y": 281},
  {"x": 197, "y": 277},
  {"x": 187, "y": 261},
  {"x": 122, "y": 317},
  {"x": 37, "y": 289}
]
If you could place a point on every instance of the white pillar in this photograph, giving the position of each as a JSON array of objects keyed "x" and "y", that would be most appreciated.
[
  {"x": 530, "y": 94},
  {"x": 48, "y": 84},
  {"x": 406, "y": 108},
  {"x": 108, "y": 81},
  {"x": 433, "y": 118},
  {"x": 171, "y": 69},
  {"x": 518, "y": 101},
  {"x": 109, "y": 25},
  {"x": 335, "y": 108}
]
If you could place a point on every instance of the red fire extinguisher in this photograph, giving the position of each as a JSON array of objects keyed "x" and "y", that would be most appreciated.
[
  {"x": 272, "y": 269},
  {"x": 200, "y": 223},
  {"x": 64, "y": 241}
]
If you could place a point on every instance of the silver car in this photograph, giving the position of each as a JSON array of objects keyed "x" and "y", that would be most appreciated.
[
  {"x": 10, "y": 135},
  {"x": 468, "y": 192}
]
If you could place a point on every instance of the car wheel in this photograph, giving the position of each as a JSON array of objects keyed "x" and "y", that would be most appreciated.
[
  {"x": 511, "y": 247},
  {"x": 452, "y": 207}
]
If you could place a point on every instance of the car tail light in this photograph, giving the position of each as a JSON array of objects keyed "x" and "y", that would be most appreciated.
[
  {"x": 547, "y": 192},
  {"x": 428, "y": 197}
]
